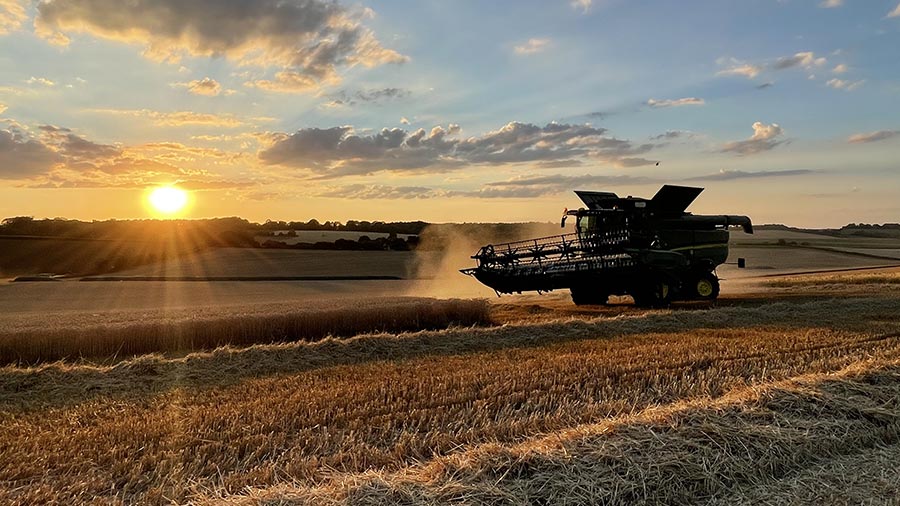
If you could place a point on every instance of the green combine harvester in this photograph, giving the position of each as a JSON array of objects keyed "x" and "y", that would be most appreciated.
[{"x": 652, "y": 250}]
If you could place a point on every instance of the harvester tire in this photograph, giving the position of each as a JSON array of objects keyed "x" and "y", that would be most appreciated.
[
  {"x": 583, "y": 296},
  {"x": 656, "y": 294},
  {"x": 706, "y": 286}
]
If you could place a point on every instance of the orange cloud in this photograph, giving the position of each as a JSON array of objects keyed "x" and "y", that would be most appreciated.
[
  {"x": 183, "y": 118},
  {"x": 12, "y": 15},
  {"x": 207, "y": 86},
  {"x": 308, "y": 40}
]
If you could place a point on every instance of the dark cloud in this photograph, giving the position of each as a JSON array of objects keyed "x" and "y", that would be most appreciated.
[
  {"x": 669, "y": 135},
  {"x": 728, "y": 175},
  {"x": 57, "y": 157},
  {"x": 764, "y": 86},
  {"x": 672, "y": 135},
  {"x": 341, "y": 151},
  {"x": 635, "y": 162},
  {"x": 307, "y": 39},
  {"x": 76, "y": 148},
  {"x": 377, "y": 96},
  {"x": 23, "y": 157}
]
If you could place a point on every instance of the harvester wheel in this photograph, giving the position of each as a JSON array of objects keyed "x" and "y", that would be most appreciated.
[
  {"x": 654, "y": 294},
  {"x": 586, "y": 296},
  {"x": 706, "y": 286}
]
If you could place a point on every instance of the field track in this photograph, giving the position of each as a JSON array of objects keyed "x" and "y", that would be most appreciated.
[{"x": 553, "y": 404}]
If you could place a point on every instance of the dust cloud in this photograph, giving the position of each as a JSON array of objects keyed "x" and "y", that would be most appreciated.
[{"x": 444, "y": 249}]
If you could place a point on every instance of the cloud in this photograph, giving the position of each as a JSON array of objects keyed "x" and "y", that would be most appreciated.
[
  {"x": 22, "y": 156},
  {"x": 840, "y": 69},
  {"x": 521, "y": 187},
  {"x": 738, "y": 68},
  {"x": 12, "y": 15},
  {"x": 61, "y": 181},
  {"x": 207, "y": 86},
  {"x": 764, "y": 138},
  {"x": 57, "y": 157},
  {"x": 583, "y": 5},
  {"x": 3, "y": 108},
  {"x": 765, "y": 85},
  {"x": 805, "y": 59},
  {"x": 675, "y": 103},
  {"x": 840, "y": 84},
  {"x": 728, "y": 175},
  {"x": 40, "y": 80},
  {"x": 308, "y": 40},
  {"x": 245, "y": 136},
  {"x": 369, "y": 192},
  {"x": 538, "y": 186},
  {"x": 831, "y": 4},
  {"x": 374, "y": 96},
  {"x": 403, "y": 120},
  {"x": 894, "y": 13},
  {"x": 177, "y": 153},
  {"x": 534, "y": 186},
  {"x": 880, "y": 135},
  {"x": 672, "y": 135},
  {"x": 184, "y": 118},
  {"x": 288, "y": 81},
  {"x": 341, "y": 151},
  {"x": 532, "y": 46},
  {"x": 74, "y": 147}
]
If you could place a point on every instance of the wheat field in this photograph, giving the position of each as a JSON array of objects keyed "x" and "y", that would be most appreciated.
[
  {"x": 615, "y": 406},
  {"x": 115, "y": 336}
]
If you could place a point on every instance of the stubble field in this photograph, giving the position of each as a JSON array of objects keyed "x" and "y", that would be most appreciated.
[{"x": 769, "y": 396}]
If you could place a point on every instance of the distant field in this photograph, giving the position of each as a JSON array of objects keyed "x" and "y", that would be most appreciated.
[
  {"x": 322, "y": 236},
  {"x": 812, "y": 239},
  {"x": 80, "y": 257},
  {"x": 266, "y": 262}
]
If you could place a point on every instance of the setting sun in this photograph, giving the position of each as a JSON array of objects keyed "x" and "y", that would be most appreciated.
[{"x": 168, "y": 199}]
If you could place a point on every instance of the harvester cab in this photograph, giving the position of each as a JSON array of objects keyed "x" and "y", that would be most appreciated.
[{"x": 650, "y": 249}]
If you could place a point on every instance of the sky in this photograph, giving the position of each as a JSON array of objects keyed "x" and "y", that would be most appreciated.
[{"x": 449, "y": 111}]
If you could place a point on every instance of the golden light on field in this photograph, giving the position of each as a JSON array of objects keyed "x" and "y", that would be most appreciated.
[{"x": 167, "y": 200}]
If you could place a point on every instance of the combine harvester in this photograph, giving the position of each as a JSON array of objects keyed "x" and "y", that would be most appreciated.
[{"x": 650, "y": 249}]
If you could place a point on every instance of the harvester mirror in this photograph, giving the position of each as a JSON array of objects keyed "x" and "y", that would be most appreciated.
[
  {"x": 562, "y": 224},
  {"x": 742, "y": 263}
]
